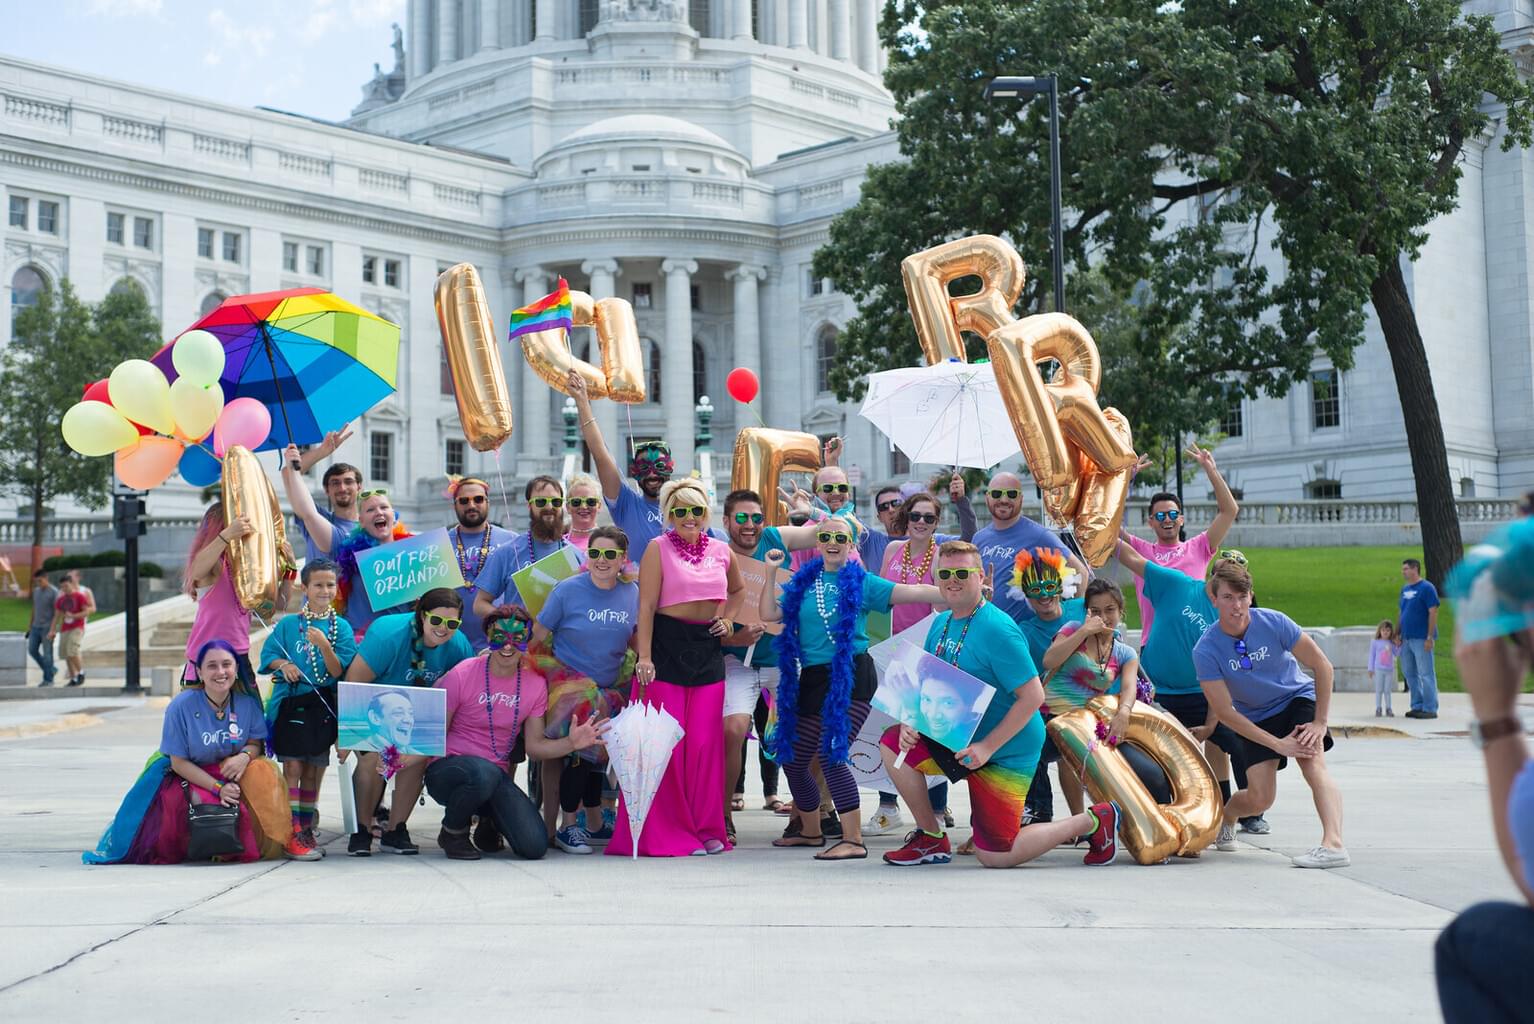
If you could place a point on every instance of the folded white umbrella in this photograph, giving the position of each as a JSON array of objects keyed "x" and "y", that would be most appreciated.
[{"x": 949, "y": 413}]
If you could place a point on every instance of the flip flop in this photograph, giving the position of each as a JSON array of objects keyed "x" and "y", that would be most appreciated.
[
  {"x": 738, "y": 802},
  {"x": 775, "y": 805},
  {"x": 861, "y": 855},
  {"x": 966, "y": 848},
  {"x": 791, "y": 842}
]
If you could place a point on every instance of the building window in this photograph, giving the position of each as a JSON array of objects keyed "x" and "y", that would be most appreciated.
[
  {"x": 115, "y": 224},
  {"x": 127, "y": 286},
  {"x": 454, "y": 457},
  {"x": 290, "y": 257},
  {"x": 699, "y": 372},
  {"x": 143, "y": 232},
  {"x": 697, "y": 16},
  {"x": 47, "y": 217},
  {"x": 1324, "y": 490},
  {"x": 370, "y": 270},
  {"x": 815, "y": 285},
  {"x": 27, "y": 286},
  {"x": 445, "y": 384},
  {"x": 231, "y": 247},
  {"x": 900, "y": 465},
  {"x": 1325, "y": 399},
  {"x": 1230, "y": 423},
  {"x": 1467, "y": 487},
  {"x": 391, "y": 273},
  {"x": 825, "y": 357},
  {"x": 18, "y": 216},
  {"x": 205, "y": 243},
  {"x": 210, "y": 303},
  {"x": 315, "y": 260},
  {"x": 589, "y": 9},
  {"x": 695, "y": 295},
  {"x": 380, "y": 457},
  {"x": 652, "y": 373},
  {"x": 642, "y": 297}
]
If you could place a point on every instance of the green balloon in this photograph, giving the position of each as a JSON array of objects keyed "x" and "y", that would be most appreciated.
[{"x": 198, "y": 357}]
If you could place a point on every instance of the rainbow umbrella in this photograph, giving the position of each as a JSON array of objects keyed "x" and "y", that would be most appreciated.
[{"x": 315, "y": 360}]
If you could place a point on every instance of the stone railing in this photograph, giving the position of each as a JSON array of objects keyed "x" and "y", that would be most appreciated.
[
  {"x": 1304, "y": 513},
  {"x": 77, "y": 531}
]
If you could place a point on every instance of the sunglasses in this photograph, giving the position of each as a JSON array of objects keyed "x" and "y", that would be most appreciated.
[
  {"x": 750, "y": 517},
  {"x": 1003, "y": 492},
  {"x": 604, "y": 554},
  {"x": 959, "y": 574},
  {"x": 834, "y": 488},
  {"x": 1232, "y": 555},
  {"x": 1169, "y": 516},
  {"x": 473, "y": 499},
  {"x": 437, "y": 620},
  {"x": 885, "y": 506},
  {"x": 683, "y": 511},
  {"x": 1242, "y": 658},
  {"x": 827, "y": 537},
  {"x": 922, "y": 517},
  {"x": 547, "y": 502},
  {"x": 1043, "y": 591},
  {"x": 584, "y": 502},
  {"x": 372, "y": 492}
]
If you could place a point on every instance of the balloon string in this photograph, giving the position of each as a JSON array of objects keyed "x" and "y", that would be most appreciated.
[{"x": 500, "y": 480}]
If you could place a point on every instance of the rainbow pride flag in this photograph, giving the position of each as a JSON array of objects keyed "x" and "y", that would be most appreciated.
[{"x": 549, "y": 312}]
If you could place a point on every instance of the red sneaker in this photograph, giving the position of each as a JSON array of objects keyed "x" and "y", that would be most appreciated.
[
  {"x": 921, "y": 848},
  {"x": 1103, "y": 841},
  {"x": 297, "y": 849}
]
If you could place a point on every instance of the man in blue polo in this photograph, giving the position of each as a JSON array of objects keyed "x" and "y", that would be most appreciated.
[{"x": 1419, "y": 632}]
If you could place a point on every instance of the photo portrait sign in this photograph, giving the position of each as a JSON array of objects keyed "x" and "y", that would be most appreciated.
[
  {"x": 411, "y": 719},
  {"x": 938, "y": 700},
  {"x": 401, "y": 571}
]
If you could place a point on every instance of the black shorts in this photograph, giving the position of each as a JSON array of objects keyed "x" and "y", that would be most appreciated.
[
  {"x": 1192, "y": 710},
  {"x": 305, "y": 725},
  {"x": 1297, "y": 712}
]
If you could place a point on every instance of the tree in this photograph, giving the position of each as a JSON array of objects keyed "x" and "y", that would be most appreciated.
[
  {"x": 1332, "y": 132},
  {"x": 58, "y": 347}
]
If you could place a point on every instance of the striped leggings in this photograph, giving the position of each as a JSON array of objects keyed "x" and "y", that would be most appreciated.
[{"x": 839, "y": 778}]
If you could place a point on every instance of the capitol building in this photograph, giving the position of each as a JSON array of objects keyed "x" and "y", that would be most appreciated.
[{"x": 685, "y": 156}]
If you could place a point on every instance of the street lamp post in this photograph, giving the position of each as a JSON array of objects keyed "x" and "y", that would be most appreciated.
[
  {"x": 572, "y": 437},
  {"x": 704, "y": 444},
  {"x": 1026, "y": 88}
]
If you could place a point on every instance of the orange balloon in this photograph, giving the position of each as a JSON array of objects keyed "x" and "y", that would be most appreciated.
[
  {"x": 941, "y": 319},
  {"x": 148, "y": 462}
]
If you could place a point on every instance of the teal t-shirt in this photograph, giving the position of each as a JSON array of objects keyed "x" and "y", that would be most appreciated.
[
  {"x": 386, "y": 649},
  {"x": 1184, "y": 610},
  {"x": 765, "y": 655},
  {"x": 1040, "y": 633},
  {"x": 995, "y": 652},
  {"x": 814, "y": 640}
]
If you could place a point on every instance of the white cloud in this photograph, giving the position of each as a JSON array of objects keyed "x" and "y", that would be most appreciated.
[
  {"x": 246, "y": 39},
  {"x": 125, "y": 8}
]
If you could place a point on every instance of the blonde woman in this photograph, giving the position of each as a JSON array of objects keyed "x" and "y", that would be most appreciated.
[
  {"x": 689, "y": 594},
  {"x": 583, "y": 499}
]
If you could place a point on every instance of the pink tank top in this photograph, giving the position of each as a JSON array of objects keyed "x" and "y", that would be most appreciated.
[
  {"x": 219, "y": 617},
  {"x": 578, "y": 540},
  {"x": 904, "y": 616},
  {"x": 682, "y": 581}
]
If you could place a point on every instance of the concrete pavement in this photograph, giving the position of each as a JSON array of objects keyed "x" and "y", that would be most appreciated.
[{"x": 758, "y": 934}]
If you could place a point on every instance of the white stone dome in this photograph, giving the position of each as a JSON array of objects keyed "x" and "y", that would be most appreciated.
[
  {"x": 639, "y": 143},
  {"x": 646, "y": 127}
]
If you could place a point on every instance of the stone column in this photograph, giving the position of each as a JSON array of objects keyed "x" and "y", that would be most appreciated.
[
  {"x": 748, "y": 328},
  {"x": 447, "y": 32},
  {"x": 841, "y": 29},
  {"x": 546, "y": 13},
  {"x": 489, "y": 24},
  {"x": 799, "y": 24},
  {"x": 868, "y": 35},
  {"x": 743, "y": 29},
  {"x": 604, "y": 285},
  {"x": 676, "y": 361},
  {"x": 418, "y": 56},
  {"x": 533, "y": 416}
]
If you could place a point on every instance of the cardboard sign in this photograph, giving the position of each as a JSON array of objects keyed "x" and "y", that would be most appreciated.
[
  {"x": 399, "y": 572},
  {"x": 754, "y": 573}
]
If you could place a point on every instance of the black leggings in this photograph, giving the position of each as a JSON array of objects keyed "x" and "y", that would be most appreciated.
[
  {"x": 580, "y": 785},
  {"x": 839, "y": 778},
  {"x": 768, "y": 765}
]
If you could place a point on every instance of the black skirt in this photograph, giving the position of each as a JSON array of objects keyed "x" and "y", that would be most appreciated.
[
  {"x": 685, "y": 653},
  {"x": 305, "y": 726},
  {"x": 815, "y": 682}
]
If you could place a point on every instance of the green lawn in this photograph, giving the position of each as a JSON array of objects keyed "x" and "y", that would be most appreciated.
[
  {"x": 16, "y": 614},
  {"x": 1340, "y": 587}
]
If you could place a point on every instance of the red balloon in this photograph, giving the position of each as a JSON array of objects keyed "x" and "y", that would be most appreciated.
[
  {"x": 742, "y": 384},
  {"x": 97, "y": 392}
]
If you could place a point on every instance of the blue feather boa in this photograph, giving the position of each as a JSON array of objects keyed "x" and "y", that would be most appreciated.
[{"x": 833, "y": 712}]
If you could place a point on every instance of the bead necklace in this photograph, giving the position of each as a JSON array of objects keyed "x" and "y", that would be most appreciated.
[
  {"x": 942, "y": 640},
  {"x": 692, "y": 554},
  {"x": 820, "y": 600},
  {"x": 317, "y": 669},
  {"x": 905, "y": 563},
  {"x": 490, "y": 705},
  {"x": 463, "y": 558}
]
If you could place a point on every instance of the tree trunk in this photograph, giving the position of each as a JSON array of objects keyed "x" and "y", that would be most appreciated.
[
  {"x": 1441, "y": 543},
  {"x": 37, "y": 511}
]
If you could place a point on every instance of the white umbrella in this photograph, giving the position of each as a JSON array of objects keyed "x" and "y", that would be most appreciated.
[
  {"x": 949, "y": 413},
  {"x": 639, "y": 742}
]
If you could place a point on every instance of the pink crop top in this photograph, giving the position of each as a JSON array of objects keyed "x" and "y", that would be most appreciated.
[{"x": 682, "y": 581}]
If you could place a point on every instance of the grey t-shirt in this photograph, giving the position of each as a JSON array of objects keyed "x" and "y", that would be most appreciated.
[{"x": 42, "y": 605}]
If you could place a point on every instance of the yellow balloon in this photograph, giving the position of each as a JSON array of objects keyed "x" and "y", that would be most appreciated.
[
  {"x": 763, "y": 455},
  {"x": 95, "y": 428},
  {"x": 468, "y": 336},
  {"x": 195, "y": 406},
  {"x": 253, "y": 558},
  {"x": 139, "y": 391}
]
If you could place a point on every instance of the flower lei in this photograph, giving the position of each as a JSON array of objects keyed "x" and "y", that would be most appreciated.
[
  {"x": 390, "y": 761},
  {"x": 356, "y": 542},
  {"x": 834, "y": 711}
]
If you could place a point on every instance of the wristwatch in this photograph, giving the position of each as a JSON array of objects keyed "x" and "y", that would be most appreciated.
[{"x": 1482, "y": 733}]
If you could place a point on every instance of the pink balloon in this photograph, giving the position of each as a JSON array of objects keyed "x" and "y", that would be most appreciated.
[{"x": 245, "y": 422}]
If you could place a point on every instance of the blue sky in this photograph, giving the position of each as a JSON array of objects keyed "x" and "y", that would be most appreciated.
[{"x": 308, "y": 56}]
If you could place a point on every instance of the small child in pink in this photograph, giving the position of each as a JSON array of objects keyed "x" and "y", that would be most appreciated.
[{"x": 1382, "y": 656}]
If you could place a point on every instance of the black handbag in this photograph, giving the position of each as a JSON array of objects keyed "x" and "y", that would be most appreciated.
[{"x": 213, "y": 829}]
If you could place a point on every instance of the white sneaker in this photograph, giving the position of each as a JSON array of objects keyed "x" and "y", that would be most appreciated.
[
  {"x": 883, "y": 821},
  {"x": 1226, "y": 842},
  {"x": 1323, "y": 857}
]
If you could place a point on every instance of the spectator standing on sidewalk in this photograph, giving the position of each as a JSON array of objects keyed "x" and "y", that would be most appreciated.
[
  {"x": 39, "y": 634},
  {"x": 1419, "y": 630},
  {"x": 69, "y": 614}
]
